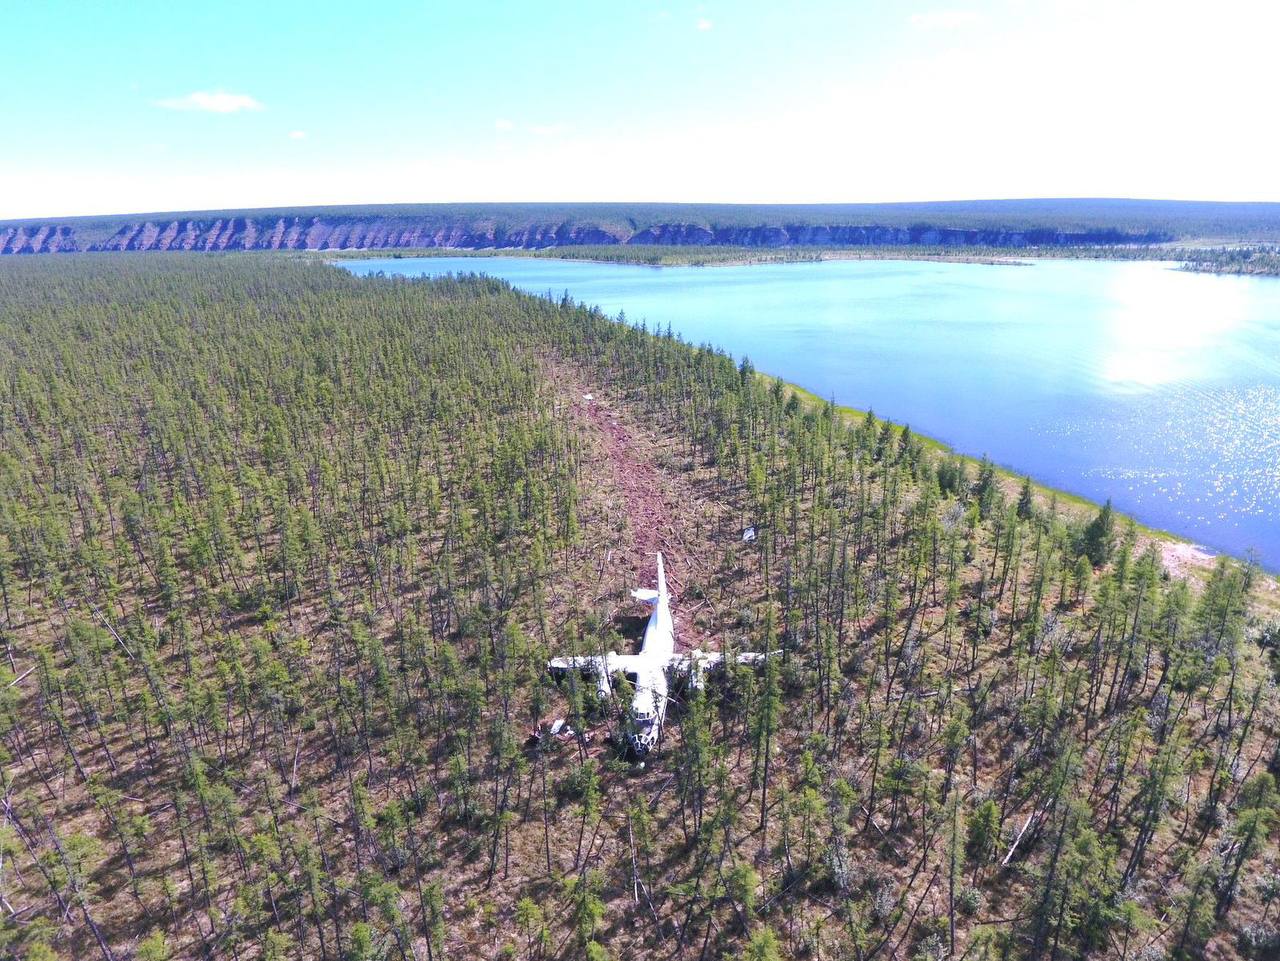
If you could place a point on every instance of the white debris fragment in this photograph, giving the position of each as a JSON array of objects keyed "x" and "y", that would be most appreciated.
[
  {"x": 748, "y": 535},
  {"x": 559, "y": 730},
  {"x": 587, "y": 397}
]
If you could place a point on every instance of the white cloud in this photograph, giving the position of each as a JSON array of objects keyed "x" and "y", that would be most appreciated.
[
  {"x": 503, "y": 124},
  {"x": 216, "y": 101},
  {"x": 297, "y": 135},
  {"x": 943, "y": 19},
  {"x": 704, "y": 23}
]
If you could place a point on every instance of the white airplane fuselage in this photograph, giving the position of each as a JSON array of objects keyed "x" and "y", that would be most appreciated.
[
  {"x": 648, "y": 672},
  {"x": 651, "y": 670}
]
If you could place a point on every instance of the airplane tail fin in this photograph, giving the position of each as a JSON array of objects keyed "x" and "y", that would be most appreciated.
[{"x": 648, "y": 595}]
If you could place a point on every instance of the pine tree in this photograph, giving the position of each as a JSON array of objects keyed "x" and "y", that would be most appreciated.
[
  {"x": 1098, "y": 540},
  {"x": 1026, "y": 506},
  {"x": 982, "y": 835}
]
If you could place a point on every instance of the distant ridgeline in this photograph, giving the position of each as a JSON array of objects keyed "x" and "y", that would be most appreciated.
[{"x": 999, "y": 223}]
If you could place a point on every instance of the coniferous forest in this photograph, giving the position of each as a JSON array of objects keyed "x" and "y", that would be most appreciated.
[{"x": 283, "y": 554}]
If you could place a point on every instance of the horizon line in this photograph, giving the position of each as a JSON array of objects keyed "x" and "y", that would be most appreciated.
[{"x": 638, "y": 203}]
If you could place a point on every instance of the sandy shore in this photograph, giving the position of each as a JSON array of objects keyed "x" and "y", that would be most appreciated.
[{"x": 1181, "y": 558}]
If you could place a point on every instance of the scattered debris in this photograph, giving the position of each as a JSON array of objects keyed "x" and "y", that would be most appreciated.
[
  {"x": 1032, "y": 819},
  {"x": 748, "y": 534},
  {"x": 559, "y": 729},
  {"x": 587, "y": 397}
]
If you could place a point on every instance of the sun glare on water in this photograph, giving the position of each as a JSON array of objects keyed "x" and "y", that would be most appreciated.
[{"x": 1161, "y": 330}]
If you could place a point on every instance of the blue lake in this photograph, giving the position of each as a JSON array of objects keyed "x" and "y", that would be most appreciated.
[{"x": 1155, "y": 387}]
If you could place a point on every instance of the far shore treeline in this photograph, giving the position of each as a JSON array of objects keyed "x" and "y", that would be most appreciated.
[{"x": 1018, "y": 225}]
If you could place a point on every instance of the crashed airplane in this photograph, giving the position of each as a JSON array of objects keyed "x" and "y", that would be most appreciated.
[{"x": 650, "y": 672}]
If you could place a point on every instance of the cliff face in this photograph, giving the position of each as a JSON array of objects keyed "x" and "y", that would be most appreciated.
[
  {"x": 44, "y": 239},
  {"x": 364, "y": 233},
  {"x": 839, "y": 235}
]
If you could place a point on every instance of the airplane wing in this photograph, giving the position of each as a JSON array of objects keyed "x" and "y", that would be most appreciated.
[
  {"x": 585, "y": 665},
  {"x": 702, "y": 659},
  {"x": 696, "y": 665},
  {"x": 600, "y": 667},
  {"x": 623, "y": 662}
]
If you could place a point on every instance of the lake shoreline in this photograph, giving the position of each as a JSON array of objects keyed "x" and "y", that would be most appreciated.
[
  {"x": 669, "y": 256},
  {"x": 1181, "y": 556},
  {"x": 1205, "y": 258},
  {"x": 941, "y": 340}
]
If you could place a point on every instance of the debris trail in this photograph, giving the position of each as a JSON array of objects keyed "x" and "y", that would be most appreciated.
[{"x": 652, "y": 499}]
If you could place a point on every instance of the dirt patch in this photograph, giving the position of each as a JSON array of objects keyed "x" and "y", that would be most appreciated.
[{"x": 629, "y": 471}]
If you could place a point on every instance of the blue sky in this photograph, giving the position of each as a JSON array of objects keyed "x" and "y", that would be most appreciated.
[{"x": 145, "y": 106}]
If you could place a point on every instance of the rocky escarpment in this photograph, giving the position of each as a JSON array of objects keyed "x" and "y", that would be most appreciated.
[
  {"x": 297, "y": 233},
  {"x": 872, "y": 235},
  {"x": 376, "y": 233},
  {"x": 41, "y": 239}
]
